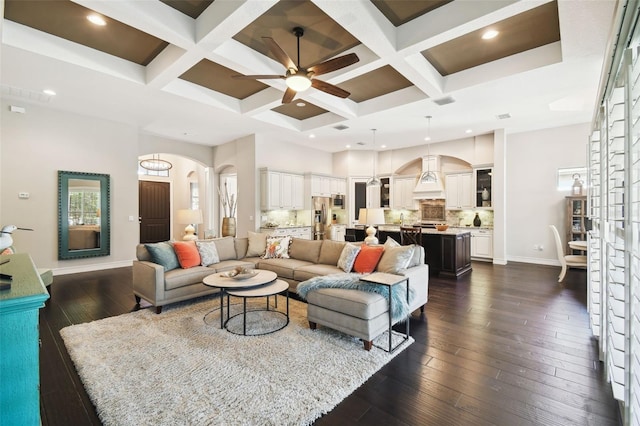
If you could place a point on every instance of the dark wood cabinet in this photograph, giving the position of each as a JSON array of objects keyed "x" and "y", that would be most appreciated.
[
  {"x": 455, "y": 254},
  {"x": 446, "y": 254}
]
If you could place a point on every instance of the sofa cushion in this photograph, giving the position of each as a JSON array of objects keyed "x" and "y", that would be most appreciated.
[
  {"x": 226, "y": 248},
  {"x": 164, "y": 255},
  {"x": 359, "y": 304},
  {"x": 227, "y": 265},
  {"x": 208, "y": 252},
  {"x": 283, "y": 267},
  {"x": 182, "y": 277},
  {"x": 395, "y": 259},
  {"x": 308, "y": 250},
  {"x": 142, "y": 253},
  {"x": 257, "y": 244},
  {"x": 241, "y": 247},
  {"x": 330, "y": 252},
  {"x": 277, "y": 248},
  {"x": 367, "y": 259},
  {"x": 304, "y": 273},
  {"x": 187, "y": 254},
  {"x": 348, "y": 257}
]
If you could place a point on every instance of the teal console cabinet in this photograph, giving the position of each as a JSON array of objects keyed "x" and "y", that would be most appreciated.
[{"x": 20, "y": 342}]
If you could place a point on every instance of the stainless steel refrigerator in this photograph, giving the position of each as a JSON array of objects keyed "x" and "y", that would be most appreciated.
[{"x": 321, "y": 210}]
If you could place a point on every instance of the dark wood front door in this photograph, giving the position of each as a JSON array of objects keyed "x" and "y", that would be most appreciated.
[{"x": 154, "y": 208}]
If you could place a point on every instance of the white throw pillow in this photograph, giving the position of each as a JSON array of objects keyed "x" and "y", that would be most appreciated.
[
  {"x": 277, "y": 248},
  {"x": 257, "y": 244},
  {"x": 415, "y": 259},
  {"x": 348, "y": 257},
  {"x": 208, "y": 252},
  {"x": 395, "y": 258}
]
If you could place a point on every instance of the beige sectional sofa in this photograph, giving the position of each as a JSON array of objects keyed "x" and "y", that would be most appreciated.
[{"x": 307, "y": 259}]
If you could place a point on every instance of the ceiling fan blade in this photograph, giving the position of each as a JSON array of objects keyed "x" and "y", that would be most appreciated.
[
  {"x": 329, "y": 88},
  {"x": 280, "y": 54},
  {"x": 334, "y": 64},
  {"x": 289, "y": 94},
  {"x": 257, "y": 77}
]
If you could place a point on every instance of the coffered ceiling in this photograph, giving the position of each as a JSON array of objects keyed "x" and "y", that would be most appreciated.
[{"x": 168, "y": 66}]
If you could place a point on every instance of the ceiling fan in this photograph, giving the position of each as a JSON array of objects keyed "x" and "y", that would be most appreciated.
[{"x": 299, "y": 79}]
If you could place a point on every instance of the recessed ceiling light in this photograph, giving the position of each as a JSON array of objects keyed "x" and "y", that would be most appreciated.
[
  {"x": 300, "y": 104},
  {"x": 49, "y": 92},
  {"x": 468, "y": 131},
  {"x": 489, "y": 34},
  {"x": 96, "y": 19},
  {"x": 383, "y": 146},
  {"x": 427, "y": 138},
  {"x": 347, "y": 146},
  {"x": 311, "y": 136}
]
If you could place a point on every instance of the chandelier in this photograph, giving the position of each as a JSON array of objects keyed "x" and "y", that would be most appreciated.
[{"x": 155, "y": 164}]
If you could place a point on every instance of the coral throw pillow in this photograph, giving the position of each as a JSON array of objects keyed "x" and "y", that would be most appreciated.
[
  {"x": 187, "y": 253},
  {"x": 367, "y": 259}
]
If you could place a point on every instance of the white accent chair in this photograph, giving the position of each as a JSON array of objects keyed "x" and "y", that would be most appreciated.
[{"x": 569, "y": 260}]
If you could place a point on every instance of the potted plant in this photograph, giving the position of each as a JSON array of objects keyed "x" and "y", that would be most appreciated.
[{"x": 229, "y": 211}]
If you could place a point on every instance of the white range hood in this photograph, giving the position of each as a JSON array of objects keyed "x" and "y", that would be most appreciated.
[{"x": 429, "y": 189}]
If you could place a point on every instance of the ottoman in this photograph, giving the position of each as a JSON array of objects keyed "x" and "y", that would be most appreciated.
[{"x": 354, "y": 312}]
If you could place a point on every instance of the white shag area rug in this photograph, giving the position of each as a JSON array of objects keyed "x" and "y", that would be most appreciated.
[{"x": 180, "y": 368}]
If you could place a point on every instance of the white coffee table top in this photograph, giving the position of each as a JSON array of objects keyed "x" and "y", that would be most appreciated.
[
  {"x": 220, "y": 280},
  {"x": 278, "y": 286}
]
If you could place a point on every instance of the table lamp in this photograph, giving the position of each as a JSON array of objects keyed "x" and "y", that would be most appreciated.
[
  {"x": 189, "y": 217},
  {"x": 371, "y": 217}
]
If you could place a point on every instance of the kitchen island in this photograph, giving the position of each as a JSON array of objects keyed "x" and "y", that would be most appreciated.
[{"x": 448, "y": 253}]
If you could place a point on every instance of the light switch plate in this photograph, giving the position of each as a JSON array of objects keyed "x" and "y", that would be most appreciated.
[{"x": 23, "y": 195}]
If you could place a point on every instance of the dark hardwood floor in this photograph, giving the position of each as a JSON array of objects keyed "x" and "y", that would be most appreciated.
[{"x": 504, "y": 345}]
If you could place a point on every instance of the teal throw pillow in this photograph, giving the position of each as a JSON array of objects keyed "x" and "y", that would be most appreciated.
[{"x": 163, "y": 254}]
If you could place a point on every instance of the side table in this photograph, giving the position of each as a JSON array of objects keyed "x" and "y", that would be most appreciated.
[{"x": 390, "y": 280}]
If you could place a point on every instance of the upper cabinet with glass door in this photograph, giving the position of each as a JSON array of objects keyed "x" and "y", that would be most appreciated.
[{"x": 482, "y": 178}]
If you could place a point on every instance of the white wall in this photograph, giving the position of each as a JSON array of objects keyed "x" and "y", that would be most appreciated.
[
  {"x": 241, "y": 155},
  {"x": 532, "y": 200},
  {"x": 278, "y": 155},
  {"x": 34, "y": 147}
]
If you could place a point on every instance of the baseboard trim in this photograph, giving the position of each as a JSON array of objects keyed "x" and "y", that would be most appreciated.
[
  {"x": 536, "y": 260},
  {"x": 92, "y": 267}
]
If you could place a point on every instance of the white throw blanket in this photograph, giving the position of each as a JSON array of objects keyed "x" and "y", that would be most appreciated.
[{"x": 352, "y": 281}]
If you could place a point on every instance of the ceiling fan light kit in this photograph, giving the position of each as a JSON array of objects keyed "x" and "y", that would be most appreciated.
[
  {"x": 299, "y": 79},
  {"x": 298, "y": 82}
]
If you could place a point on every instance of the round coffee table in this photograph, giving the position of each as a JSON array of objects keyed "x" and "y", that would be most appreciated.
[
  {"x": 265, "y": 290},
  {"x": 223, "y": 282}
]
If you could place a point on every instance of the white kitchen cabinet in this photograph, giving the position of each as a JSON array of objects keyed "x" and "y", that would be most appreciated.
[
  {"x": 320, "y": 185},
  {"x": 281, "y": 190},
  {"x": 459, "y": 193},
  {"x": 402, "y": 191},
  {"x": 297, "y": 192},
  {"x": 482, "y": 244},
  {"x": 338, "y": 186},
  {"x": 338, "y": 232}
]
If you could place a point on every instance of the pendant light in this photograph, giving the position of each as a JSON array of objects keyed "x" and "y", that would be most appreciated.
[
  {"x": 428, "y": 176},
  {"x": 374, "y": 181}
]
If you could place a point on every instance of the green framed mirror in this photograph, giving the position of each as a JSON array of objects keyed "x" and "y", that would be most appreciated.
[{"x": 83, "y": 215}]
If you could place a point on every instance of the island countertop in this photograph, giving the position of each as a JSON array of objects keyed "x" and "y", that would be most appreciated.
[{"x": 449, "y": 231}]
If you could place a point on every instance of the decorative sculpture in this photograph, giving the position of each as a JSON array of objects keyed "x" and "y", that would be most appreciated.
[{"x": 5, "y": 235}]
